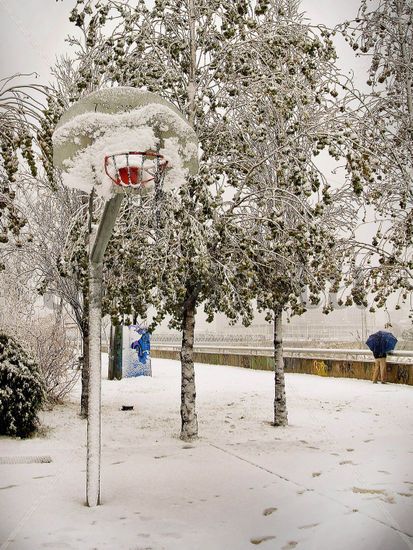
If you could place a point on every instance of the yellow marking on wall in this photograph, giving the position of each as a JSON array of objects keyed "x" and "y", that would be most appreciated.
[{"x": 320, "y": 368}]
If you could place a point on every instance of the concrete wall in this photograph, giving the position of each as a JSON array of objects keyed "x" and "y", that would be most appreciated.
[{"x": 337, "y": 368}]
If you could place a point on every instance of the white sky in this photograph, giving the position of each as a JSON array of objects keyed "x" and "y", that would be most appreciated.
[{"x": 33, "y": 31}]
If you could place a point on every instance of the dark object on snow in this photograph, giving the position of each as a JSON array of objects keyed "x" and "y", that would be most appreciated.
[
  {"x": 381, "y": 342},
  {"x": 127, "y": 408},
  {"x": 21, "y": 390},
  {"x": 42, "y": 459}
]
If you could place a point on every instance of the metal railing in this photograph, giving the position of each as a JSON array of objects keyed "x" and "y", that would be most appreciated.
[
  {"x": 405, "y": 357},
  {"x": 263, "y": 333}
]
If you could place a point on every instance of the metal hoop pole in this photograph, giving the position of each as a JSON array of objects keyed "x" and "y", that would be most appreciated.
[
  {"x": 94, "y": 402},
  {"x": 99, "y": 242}
]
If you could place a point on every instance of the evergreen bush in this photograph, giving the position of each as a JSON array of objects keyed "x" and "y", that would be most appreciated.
[{"x": 21, "y": 389}]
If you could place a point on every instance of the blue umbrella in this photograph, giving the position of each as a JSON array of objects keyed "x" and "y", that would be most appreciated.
[{"x": 381, "y": 343}]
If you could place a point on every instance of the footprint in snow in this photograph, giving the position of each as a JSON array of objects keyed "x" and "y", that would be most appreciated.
[
  {"x": 259, "y": 540},
  {"x": 171, "y": 535},
  {"x": 269, "y": 511},
  {"x": 316, "y": 474},
  {"x": 347, "y": 462},
  {"x": 381, "y": 493},
  {"x": 53, "y": 545},
  {"x": 309, "y": 526},
  {"x": 290, "y": 544}
]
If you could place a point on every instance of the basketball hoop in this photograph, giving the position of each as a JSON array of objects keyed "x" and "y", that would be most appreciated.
[
  {"x": 135, "y": 168},
  {"x": 85, "y": 142},
  {"x": 124, "y": 140}
]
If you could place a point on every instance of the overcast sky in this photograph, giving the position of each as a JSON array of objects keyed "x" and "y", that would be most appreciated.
[{"x": 33, "y": 31}]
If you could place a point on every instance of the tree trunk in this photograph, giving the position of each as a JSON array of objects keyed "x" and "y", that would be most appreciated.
[
  {"x": 84, "y": 398},
  {"x": 405, "y": 57},
  {"x": 115, "y": 352},
  {"x": 111, "y": 364},
  {"x": 189, "y": 421},
  {"x": 280, "y": 402},
  {"x": 191, "y": 88},
  {"x": 118, "y": 352}
]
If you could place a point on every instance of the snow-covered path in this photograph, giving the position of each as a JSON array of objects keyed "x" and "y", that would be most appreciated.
[{"x": 339, "y": 477}]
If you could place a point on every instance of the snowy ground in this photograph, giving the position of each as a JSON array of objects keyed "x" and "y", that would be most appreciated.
[{"x": 339, "y": 477}]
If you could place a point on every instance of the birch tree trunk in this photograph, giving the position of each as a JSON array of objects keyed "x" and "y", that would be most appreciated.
[
  {"x": 84, "y": 398},
  {"x": 280, "y": 402},
  {"x": 191, "y": 88},
  {"x": 406, "y": 57},
  {"x": 189, "y": 420}
]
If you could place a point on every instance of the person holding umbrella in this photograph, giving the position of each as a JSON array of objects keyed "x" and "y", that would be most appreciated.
[{"x": 380, "y": 343}]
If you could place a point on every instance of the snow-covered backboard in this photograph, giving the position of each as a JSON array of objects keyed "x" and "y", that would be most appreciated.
[{"x": 120, "y": 120}]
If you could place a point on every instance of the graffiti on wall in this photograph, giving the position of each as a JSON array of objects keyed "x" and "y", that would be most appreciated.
[
  {"x": 347, "y": 370},
  {"x": 403, "y": 374},
  {"x": 320, "y": 367}
]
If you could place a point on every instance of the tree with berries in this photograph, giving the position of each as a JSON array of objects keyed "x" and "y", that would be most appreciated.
[{"x": 383, "y": 32}]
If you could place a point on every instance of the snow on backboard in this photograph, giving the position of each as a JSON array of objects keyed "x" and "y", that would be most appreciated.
[{"x": 120, "y": 120}]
